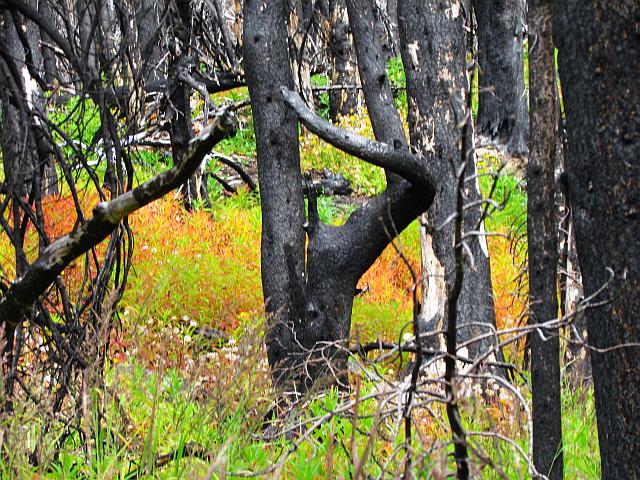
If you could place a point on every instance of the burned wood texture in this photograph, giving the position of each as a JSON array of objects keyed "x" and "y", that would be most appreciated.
[{"x": 542, "y": 234}]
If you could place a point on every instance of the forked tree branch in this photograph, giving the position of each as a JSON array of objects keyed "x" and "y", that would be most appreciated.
[
  {"x": 25, "y": 290},
  {"x": 398, "y": 160}
]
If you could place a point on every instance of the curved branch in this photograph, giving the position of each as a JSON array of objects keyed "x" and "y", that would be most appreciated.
[
  {"x": 25, "y": 290},
  {"x": 398, "y": 160}
]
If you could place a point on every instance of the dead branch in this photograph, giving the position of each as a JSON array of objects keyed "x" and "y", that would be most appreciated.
[
  {"x": 394, "y": 158},
  {"x": 25, "y": 290}
]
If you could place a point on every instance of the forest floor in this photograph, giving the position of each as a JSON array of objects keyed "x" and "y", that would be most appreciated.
[{"x": 178, "y": 403}]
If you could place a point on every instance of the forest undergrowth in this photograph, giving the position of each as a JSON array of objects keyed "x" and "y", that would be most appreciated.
[{"x": 187, "y": 385}]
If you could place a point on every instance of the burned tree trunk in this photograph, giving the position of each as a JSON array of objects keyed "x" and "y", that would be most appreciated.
[
  {"x": 180, "y": 65},
  {"x": 434, "y": 49},
  {"x": 147, "y": 15},
  {"x": 372, "y": 65},
  {"x": 599, "y": 59},
  {"x": 392, "y": 14},
  {"x": 502, "y": 109},
  {"x": 542, "y": 236},
  {"x": 19, "y": 164},
  {"x": 577, "y": 361},
  {"x": 309, "y": 302},
  {"x": 282, "y": 252},
  {"x": 300, "y": 34},
  {"x": 309, "y": 299}
]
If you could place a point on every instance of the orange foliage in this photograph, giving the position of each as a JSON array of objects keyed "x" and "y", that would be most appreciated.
[
  {"x": 60, "y": 218},
  {"x": 505, "y": 270},
  {"x": 60, "y": 212},
  {"x": 389, "y": 279},
  {"x": 206, "y": 267},
  {"x": 197, "y": 265}
]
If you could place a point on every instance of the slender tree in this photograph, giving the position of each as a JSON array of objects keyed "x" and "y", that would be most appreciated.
[
  {"x": 344, "y": 70},
  {"x": 542, "y": 240},
  {"x": 599, "y": 59}
]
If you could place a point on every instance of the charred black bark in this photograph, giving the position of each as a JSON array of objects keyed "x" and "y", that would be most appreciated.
[
  {"x": 148, "y": 23},
  {"x": 282, "y": 253},
  {"x": 502, "y": 109},
  {"x": 309, "y": 303},
  {"x": 392, "y": 15},
  {"x": 180, "y": 65},
  {"x": 543, "y": 240},
  {"x": 599, "y": 60},
  {"x": 50, "y": 62},
  {"x": 19, "y": 164},
  {"x": 372, "y": 63},
  {"x": 301, "y": 26}
]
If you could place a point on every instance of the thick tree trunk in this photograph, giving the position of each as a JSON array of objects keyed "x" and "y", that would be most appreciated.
[
  {"x": 599, "y": 61},
  {"x": 309, "y": 303},
  {"x": 282, "y": 253},
  {"x": 84, "y": 12},
  {"x": 433, "y": 52},
  {"x": 502, "y": 109},
  {"x": 434, "y": 119},
  {"x": 543, "y": 251}
]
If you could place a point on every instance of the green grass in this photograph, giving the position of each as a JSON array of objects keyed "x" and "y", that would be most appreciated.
[
  {"x": 321, "y": 80},
  {"x": 509, "y": 192},
  {"x": 398, "y": 82},
  {"x": 149, "y": 413},
  {"x": 580, "y": 436}
]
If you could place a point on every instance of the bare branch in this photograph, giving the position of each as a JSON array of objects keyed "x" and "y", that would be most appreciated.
[
  {"x": 25, "y": 290},
  {"x": 398, "y": 160}
]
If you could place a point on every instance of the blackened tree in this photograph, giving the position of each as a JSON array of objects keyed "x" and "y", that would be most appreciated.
[
  {"x": 599, "y": 60},
  {"x": 433, "y": 92},
  {"x": 92, "y": 78},
  {"x": 502, "y": 109},
  {"x": 542, "y": 240},
  {"x": 309, "y": 297},
  {"x": 148, "y": 17}
]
